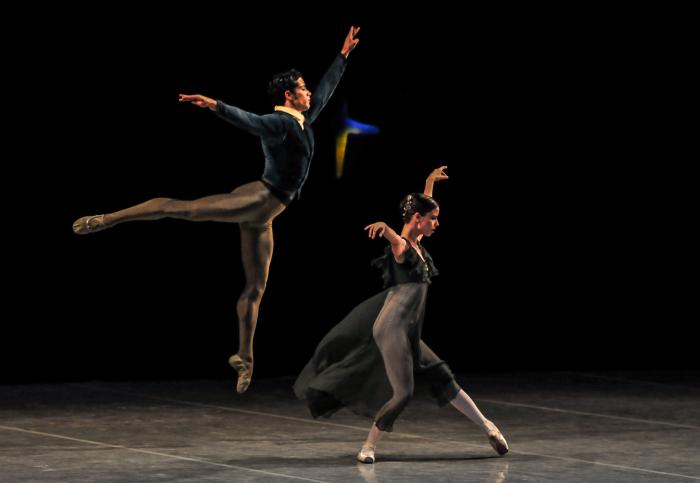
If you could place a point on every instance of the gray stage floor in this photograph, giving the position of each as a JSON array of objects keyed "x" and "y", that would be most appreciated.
[{"x": 561, "y": 427}]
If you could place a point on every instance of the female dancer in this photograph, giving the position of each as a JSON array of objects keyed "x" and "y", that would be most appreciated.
[{"x": 366, "y": 362}]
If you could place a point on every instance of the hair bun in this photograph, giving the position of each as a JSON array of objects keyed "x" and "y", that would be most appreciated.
[{"x": 408, "y": 205}]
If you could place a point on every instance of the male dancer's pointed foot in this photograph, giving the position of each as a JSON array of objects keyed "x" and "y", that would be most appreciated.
[
  {"x": 245, "y": 372},
  {"x": 498, "y": 442},
  {"x": 366, "y": 454},
  {"x": 89, "y": 224}
]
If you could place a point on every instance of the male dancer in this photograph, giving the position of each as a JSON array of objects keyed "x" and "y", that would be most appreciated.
[{"x": 288, "y": 146}]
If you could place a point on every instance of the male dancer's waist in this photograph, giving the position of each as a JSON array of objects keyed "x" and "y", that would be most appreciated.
[{"x": 284, "y": 196}]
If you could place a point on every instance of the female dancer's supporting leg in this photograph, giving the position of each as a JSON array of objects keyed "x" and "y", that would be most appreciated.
[{"x": 395, "y": 347}]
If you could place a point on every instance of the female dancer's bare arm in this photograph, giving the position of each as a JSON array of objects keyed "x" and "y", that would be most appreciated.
[
  {"x": 438, "y": 174},
  {"x": 398, "y": 244}
]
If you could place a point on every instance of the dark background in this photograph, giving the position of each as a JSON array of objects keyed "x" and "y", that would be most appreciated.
[{"x": 565, "y": 225}]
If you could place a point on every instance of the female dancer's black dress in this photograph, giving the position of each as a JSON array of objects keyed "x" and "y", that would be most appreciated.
[{"x": 366, "y": 362}]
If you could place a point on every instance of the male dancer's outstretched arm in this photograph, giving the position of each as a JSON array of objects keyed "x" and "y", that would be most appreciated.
[
  {"x": 331, "y": 78},
  {"x": 268, "y": 125}
]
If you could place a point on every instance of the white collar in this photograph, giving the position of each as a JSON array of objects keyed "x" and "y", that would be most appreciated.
[{"x": 293, "y": 112}]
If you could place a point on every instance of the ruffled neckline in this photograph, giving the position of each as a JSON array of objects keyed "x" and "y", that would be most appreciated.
[
  {"x": 419, "y": 269},
  {"x": 422, "y": 267}
]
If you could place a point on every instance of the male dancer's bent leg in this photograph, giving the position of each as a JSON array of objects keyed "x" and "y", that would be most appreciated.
[{"x": 253, "y": 206}]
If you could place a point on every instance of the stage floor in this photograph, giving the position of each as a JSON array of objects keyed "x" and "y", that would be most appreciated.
[{"x": 563, "y": 427}]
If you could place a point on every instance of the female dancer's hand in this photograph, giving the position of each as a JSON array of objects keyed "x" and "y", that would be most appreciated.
[
  {"x": 376, "y": 229},
  {"x": 438, "y": 174}
]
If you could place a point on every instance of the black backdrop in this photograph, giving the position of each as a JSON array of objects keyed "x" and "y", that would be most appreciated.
[{"x": 561, "y": 244}]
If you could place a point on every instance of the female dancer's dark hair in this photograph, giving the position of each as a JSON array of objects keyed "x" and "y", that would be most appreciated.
[{"x": 416, "y": 203}]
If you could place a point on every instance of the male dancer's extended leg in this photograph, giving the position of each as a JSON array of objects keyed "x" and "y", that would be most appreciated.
[
  {"x": 249, "y": 202},
  {"x": 257, "y": 244}
]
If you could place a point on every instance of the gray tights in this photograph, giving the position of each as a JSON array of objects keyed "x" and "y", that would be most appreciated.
[{"x": 253, "y": 207}]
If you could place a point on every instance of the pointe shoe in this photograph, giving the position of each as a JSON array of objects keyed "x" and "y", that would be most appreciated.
[
  {"x": 245, "y": 372},
  {"x": 89, "y": 224},
  {"x": 498, "y": 442},
  {"x": 366, "y": 454}
]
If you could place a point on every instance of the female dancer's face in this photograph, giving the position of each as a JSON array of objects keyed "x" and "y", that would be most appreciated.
[{"x": 428, "y": 224}]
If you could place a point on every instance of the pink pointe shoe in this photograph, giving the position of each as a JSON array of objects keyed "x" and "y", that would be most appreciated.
[{"x": 366, "y": 454}]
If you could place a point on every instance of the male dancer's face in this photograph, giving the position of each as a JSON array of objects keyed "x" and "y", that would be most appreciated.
[{"x": 300, "y": 98}]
